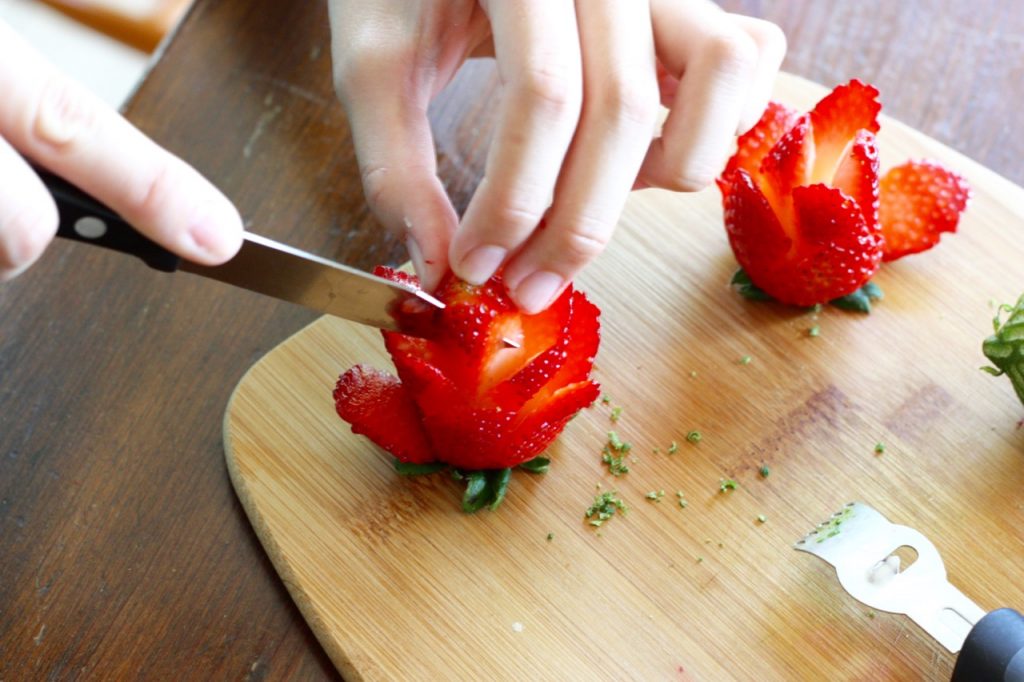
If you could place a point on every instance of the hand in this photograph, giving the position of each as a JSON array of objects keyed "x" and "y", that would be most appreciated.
[
  {"x": 66, "y": 129},
  {"x": 576, "y": 128}
]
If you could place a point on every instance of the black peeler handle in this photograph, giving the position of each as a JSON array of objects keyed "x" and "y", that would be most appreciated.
[
  {"x": 993, "y": 650},
  {"x": 85, "y": 219}
]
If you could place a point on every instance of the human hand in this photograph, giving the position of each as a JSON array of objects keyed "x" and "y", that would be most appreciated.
[
  {"x": 66, "y": 129},
  {"x": 575, "y": 132}
]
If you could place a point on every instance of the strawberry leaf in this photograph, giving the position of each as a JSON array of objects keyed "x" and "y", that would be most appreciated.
[
  {"x": 413, "y": 469},
  {"x": 537, "y": 465},
  {"x": 746, "y": 288},
  {"x": 860, "y": 300},
  {"x": 485, "y": 488}
]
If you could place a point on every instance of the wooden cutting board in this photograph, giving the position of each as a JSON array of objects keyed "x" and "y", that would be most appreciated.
[{"x": 397, "y": 583}]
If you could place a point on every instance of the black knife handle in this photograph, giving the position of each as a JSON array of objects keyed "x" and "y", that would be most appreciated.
[
  {"x": 85, "y": 219},
  {"x": 993, "y": 650}
]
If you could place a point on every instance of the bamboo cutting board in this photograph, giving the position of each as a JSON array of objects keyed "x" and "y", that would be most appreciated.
[{"x": 398, "y": 584}]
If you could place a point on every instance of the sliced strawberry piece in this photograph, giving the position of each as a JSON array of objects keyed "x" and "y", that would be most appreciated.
[
  {"x": 857, "y": 176},
  {"x": 836, "y": 120},
  {"x": 377, "y": 405},
  {"x": 787, "y": 166},
  {"x": 583, "y": 336},
  {"x": 837, "y": 252},
  {"x": 755, "y": 233},
  {"x": 538, "y": 429},
  {"x": 754, "y": 145},
  {"x": 918, "y": 202}
]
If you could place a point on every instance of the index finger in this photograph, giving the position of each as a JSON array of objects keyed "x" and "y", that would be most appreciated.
[
  {"x": 67, "y": 129},
  {"x": 538, "y": 51}
]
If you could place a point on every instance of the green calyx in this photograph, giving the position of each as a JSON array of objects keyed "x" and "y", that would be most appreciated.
[
  {"x": 1005, "y": 348},
  {"x": 859, "y": 301},
  {"x": 484, "y": 487}
]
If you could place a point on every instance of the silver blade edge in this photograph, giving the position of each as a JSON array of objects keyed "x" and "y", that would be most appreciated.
[{"x": 284, "y": 272}]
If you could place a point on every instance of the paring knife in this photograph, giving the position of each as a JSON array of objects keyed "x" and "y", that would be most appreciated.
[
  {"x": 262, "y": 265},
  {"x": 862, "y": 545}
]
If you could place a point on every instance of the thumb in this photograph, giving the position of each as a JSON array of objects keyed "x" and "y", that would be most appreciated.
[{"x": 398, "y": 164}]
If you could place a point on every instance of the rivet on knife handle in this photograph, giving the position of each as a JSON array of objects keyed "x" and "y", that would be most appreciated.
[{"x": 84, "y": 219}]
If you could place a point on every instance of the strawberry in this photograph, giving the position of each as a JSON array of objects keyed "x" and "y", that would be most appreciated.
[
  {"x": 486, "y": 387},
  {"x": 378, "y": 406},
  {"x": 805, "y": 212},
  {"x": 919, "y": 201}
]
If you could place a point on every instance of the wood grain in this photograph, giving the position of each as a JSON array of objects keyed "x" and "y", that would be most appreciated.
[
  {"x": 374, "y": 559},
  {"x": 123, "y": 550}
]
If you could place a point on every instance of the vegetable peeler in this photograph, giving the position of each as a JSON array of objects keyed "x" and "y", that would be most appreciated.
[{"x": 862, "y": 545}]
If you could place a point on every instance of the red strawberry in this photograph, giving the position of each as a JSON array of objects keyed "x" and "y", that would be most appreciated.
[
  {"x": 836, "y": 120},
  {"x": 489, "y": 386},
  {"x": 919, "y": 201},
  {"x": 775, "y": 235},
  {"x": 378, "y": 406},
  {"x": 755, "y": 144}
]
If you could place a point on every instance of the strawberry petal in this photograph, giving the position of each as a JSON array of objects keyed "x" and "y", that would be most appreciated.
[
  {"x": 836, "y": 120},
  {"x": 838, "y": 251},
  {"x": 377, "y": 405},
  {"x": 919, "y": 201},
  {"x": 757, "y": 237},
  {"x": 786, "y": 167},
  {"x": 857, "y": 176},
  {"x": 754, "y": 145}
]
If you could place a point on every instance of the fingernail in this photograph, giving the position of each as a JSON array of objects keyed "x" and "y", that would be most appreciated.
[
  {"x": 536, "y": 292},
  {"x": 215, "y": 232},
  {"x": 481, "y": 263}
]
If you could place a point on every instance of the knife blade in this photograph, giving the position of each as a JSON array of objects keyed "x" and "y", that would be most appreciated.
[{"x": 261, "y": 265}]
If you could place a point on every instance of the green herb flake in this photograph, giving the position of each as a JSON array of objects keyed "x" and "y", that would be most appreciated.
[
  {"x": 761, "y": 518},
  {"x": 616, "y": 463},
  {"x": 616, "y": 413},
  {"x": 833, "y": 526},
  {"x": 694, "y": 436},
  {"x": 764, "y": 471},
  {"x": 700, "y": 560},
  {"x": 604, "y": 507},
  {"x": 814, "y": 331},
  {"x": 746, "y": 360},
  {"x": 871, "y": 614},
  {"x": 551, "y": 536},
  {"x": 605, "y": 400},
  {"x": 673, "y": 448},
  {"x": 879, "y": 448},
  {"x": 617, "y": 443},
  {"x": 655, "y": 495},
  {"x": 727, "y": 484}
]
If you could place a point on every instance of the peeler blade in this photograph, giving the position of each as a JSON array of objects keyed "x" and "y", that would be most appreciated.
[{"x": 861, "y": 544}]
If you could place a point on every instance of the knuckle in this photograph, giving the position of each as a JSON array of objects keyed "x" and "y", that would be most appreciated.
[
  {"x": 375, "y": 184},
  {"x": 154, "y": 193},
  {"x": 690, "y": 179},
  {"x": 583, "y": 240},
  {"x": 732, "y": 50},
  {"x": 633, "y": 101},
  {"x": 65, "y": 113},
  {"x": 517, "y": 216},
  {"x": 768, "y": 36},
  {"x": 554, "y": 88}
]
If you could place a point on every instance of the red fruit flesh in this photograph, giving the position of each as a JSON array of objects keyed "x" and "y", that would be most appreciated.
[
  {"x": 378, "y": 406},
  {"x": 918, "y": 202}
]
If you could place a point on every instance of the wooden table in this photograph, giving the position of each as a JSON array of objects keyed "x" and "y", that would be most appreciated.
[{"x": 123, "y": 550}]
